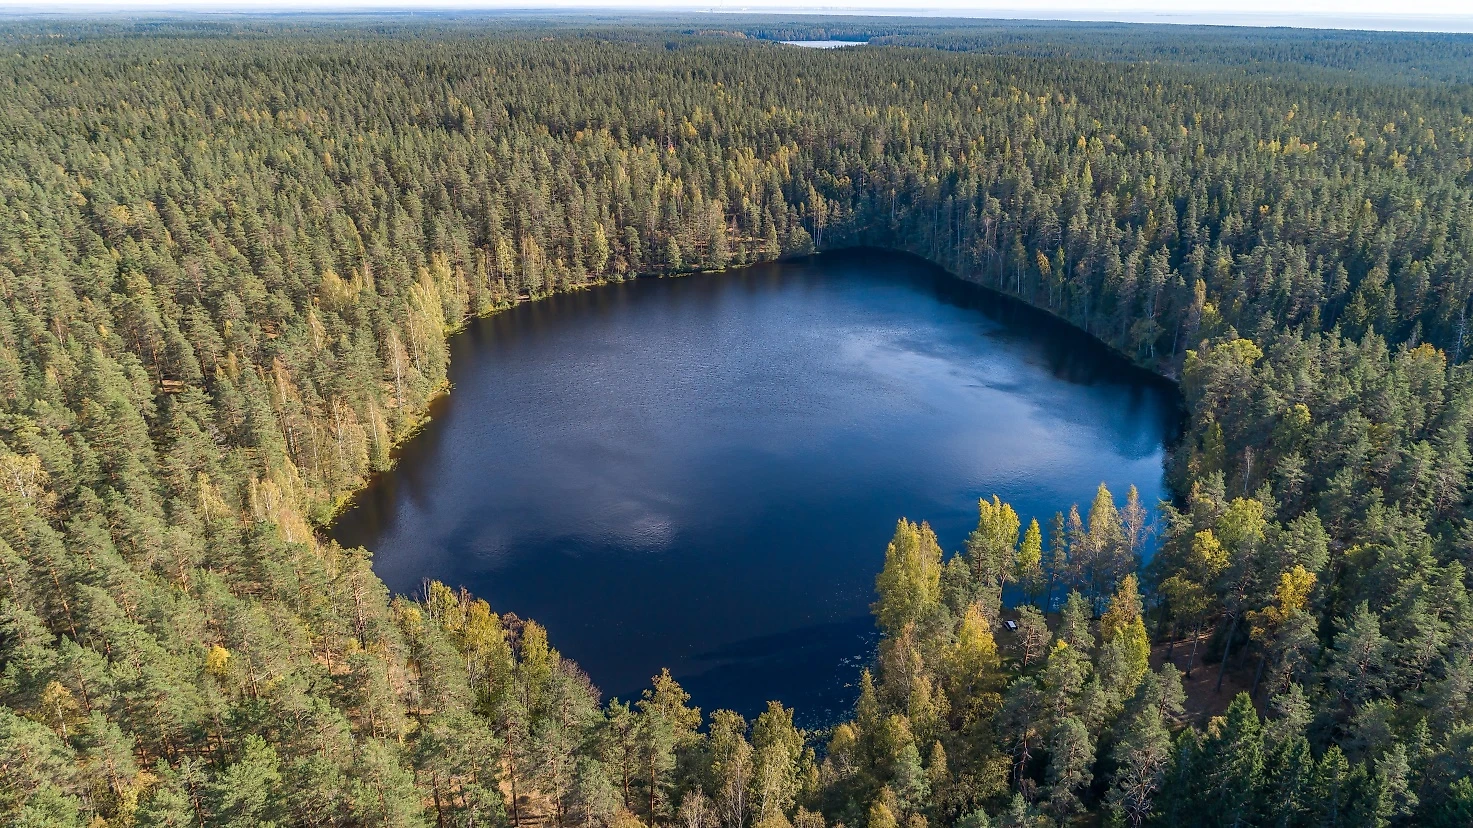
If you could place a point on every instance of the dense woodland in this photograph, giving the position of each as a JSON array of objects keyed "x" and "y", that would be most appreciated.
[{"x": 229, "y": 259}]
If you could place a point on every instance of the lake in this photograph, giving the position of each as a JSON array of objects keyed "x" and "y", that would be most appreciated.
[
  {"x": 824, "y": 44},
  {"x": 702, "y": 473}
]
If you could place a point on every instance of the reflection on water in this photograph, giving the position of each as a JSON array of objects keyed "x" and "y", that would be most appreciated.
[{"x": 702, "y": 473}]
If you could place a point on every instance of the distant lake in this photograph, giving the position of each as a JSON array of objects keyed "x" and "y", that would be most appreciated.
[
  {"x": 824, "y": 44},
  {"x": 702, "y": 473}
]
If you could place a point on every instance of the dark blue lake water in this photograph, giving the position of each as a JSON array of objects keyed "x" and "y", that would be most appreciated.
[{"x": 702, "y": 473}]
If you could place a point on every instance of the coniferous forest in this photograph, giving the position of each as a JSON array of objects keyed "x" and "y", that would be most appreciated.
[{"x": 231, "y": 253}]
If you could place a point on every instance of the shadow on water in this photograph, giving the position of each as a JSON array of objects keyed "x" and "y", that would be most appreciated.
[
  {"x": 1070, "y": 354},
  {"x": 820, "y": 688},
  {"x": 702, "y": 473}
]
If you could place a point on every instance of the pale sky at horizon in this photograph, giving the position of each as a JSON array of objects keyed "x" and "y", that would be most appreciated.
[{"x": 1431, "y": 15}]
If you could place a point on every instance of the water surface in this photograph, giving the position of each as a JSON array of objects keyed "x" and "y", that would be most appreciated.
[
  {"x": 702, "y": 473},
  {"x": 824, "y": 44}
]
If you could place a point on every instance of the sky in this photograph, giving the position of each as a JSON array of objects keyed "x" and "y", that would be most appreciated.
[{"x": 1425, "y": 15}]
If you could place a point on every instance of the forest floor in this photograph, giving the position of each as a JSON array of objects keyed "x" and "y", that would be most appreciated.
[{"x": 1203, "y": 700}]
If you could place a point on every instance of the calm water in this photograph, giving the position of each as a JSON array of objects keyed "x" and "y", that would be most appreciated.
[
  {"x": 824, "y": 44},
  {"x": 703, "y": 473}
]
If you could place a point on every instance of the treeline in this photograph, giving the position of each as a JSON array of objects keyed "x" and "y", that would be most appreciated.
[
  {"x": 1327, "y": 55},
  {"x": 1332, "y": 56},
  {"x": 229, "y": 263}
]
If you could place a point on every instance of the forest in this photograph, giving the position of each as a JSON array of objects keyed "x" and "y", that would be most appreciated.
[{"x": 231, "y": 253}]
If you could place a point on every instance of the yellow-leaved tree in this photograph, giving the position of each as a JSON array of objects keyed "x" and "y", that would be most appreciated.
[{"x": 910, "y": 584}]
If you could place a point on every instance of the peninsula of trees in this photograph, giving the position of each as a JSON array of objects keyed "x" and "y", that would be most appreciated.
[{"x": 230, "y": 255}]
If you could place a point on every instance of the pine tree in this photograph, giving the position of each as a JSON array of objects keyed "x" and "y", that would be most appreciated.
[
  {"x": 1142, "y": 756},
  {"x": 1074, "y": 623},
  {"x": 1033, "y": 634},
  {"x": 1360, "y": 657},
  {"x": 1234, "y": 765},
  {"x": 1071, "y": 756}
]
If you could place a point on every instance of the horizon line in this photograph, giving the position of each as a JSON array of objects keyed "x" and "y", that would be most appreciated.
[{"x": 1432, "y": 22}]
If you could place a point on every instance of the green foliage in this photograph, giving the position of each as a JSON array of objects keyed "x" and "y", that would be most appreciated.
[
  {"x": 909, "y": 586},
  {"x": 1030, "y": 574},
  {"x": 1121, "y": 627},
  {"x": 992, "y": 548}
]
